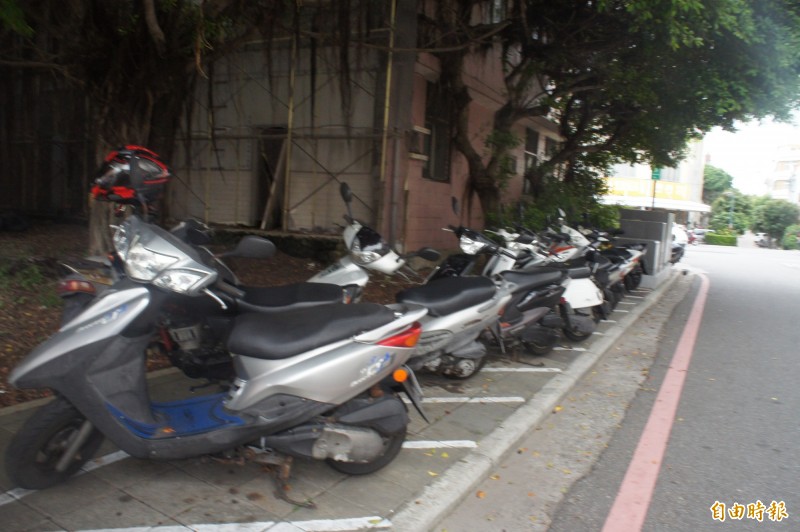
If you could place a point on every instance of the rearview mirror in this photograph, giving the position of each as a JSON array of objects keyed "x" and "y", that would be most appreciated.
[{"x": 345, "y": 192}]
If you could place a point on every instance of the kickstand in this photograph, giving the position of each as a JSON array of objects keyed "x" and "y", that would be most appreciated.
[
  {"x": 281, "y": 476},
  {"x": 279, "y": 468}
]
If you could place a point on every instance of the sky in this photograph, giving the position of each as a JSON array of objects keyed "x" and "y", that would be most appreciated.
[{"x": 749, "y": 154}]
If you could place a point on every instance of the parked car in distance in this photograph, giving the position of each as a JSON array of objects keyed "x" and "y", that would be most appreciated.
[{"x": 700, "y": 233}]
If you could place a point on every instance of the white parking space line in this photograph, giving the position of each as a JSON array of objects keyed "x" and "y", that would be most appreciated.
[
  {"x": 446, "y": 444},
  {"x": 473, "y": 400},
  {"x": 521, "y": 370}
]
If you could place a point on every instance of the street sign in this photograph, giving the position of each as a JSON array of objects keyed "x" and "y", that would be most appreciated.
[{"x": 656, "y": 175}]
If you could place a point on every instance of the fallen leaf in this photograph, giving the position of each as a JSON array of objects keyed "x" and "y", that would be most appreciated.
[
  {"x": 558, "y": 409},
  {"x": 431, "y": 473},
  {"x": 481, "y": 494},
  {"x": 495, "y": 477}
]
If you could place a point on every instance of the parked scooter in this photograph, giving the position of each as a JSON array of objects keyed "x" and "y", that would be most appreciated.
[
  {"x": 459, "y": 309},
  {"x": 617, "y": 269},
  {"x": 367, "y": 252},
  {"x": 536, "y": 311},
  {"x": 191, "y": 336},
  {"x": 583, "y": 294},
  {"x": 318, "y": 383},
  {"x": 680, "y": 239}
]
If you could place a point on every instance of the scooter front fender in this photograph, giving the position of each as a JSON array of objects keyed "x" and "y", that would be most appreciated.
[
  {"x": 104, "y": 319},
  {"x": 583, "y": 293},
  {"x": 344, "y": 272}
]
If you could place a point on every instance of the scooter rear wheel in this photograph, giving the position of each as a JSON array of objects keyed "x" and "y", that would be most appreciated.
[
  {"x": 574, "y": 335},
  {"x": 34, "y": 451},
  {"x": 633, "y": 279},
  {"x": 392, "y": 444},
  {"x": 466, "y": 368},
  {"x": 536, "y": 348}
]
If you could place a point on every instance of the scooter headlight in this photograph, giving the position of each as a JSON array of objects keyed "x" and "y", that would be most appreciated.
[
  {"x": 121, "y": 241},
  {"x": 470, "y": 246},
  {"x": 146, "y": 265},
  {"x": 142, "y": 264},
  {"x": 361, "y": 256},
  {"x": 179, "y": 280},
  {"x": 368, "y": 246}
]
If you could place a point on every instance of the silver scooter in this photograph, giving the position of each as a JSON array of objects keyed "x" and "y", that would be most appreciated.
[
  {"x": 318, "y": 382},
  {"x": 459, "y": 309}
]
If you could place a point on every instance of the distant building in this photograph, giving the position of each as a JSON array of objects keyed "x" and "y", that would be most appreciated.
[
  {"x": 783, "y": 182},
  {"x": 678, "y": 190}
]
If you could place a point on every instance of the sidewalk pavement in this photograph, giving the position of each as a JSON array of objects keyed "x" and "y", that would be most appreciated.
[{"x": 474, "y": 425}]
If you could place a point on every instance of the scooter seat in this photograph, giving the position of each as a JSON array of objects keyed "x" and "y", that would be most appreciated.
[
  {"x": 450, "y": 294},
  {"x": 534, "y": 278},
  {"x": 283, "y": 335},
  {"x": 267, "y": 299},
  {"x": 574, "y": 270}
]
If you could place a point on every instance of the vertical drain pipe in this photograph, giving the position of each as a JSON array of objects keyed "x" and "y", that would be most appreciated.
[
  {"x": 385, "y": 139},
  {"x": 289, "y": 126}
]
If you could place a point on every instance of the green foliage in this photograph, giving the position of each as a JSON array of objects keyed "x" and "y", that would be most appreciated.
[
  {"x": 12, "y": 17},
  {"x": 790, "y": 237},
  {"x": 537, "y": 213},
  {"x": 715, "y": 182},
  {"x": 21, "y": 280},
  {"x": 731, "y": 208},
  {"x": 774, "y": 216},
  {"x": 718, "y": 239}
]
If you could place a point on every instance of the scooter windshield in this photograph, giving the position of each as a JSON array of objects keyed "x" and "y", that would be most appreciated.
[{"x": 368, "y": 246}]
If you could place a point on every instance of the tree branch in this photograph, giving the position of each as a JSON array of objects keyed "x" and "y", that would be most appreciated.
[{"x": 153, "y": 27}]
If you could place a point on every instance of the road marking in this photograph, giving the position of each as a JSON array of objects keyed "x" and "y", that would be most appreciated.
[
  {"x": 316, "y": 525},
  {"x": 568, "y": 348},
  {"x": 633, "y": 499},
  {"x": 433, "y": 444},
  {"x": 473, "y": 400},
  {"x": 521, "y": 370}
]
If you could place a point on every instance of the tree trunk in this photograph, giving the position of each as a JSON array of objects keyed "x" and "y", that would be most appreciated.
[{"x": 101, "y": 216}]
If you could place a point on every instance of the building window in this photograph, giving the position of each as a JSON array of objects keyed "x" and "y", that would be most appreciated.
[{"x": 437, "y": 121}]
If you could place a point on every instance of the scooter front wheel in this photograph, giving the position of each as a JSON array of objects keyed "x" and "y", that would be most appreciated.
[
  {"x": 34, "y": 455},
  {"x": 392, "y": 444}
]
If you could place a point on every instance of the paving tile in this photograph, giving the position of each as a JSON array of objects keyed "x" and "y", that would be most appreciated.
[
  {"x": 117, "y": 510},
  {"x": 77, "y": 492},
  {"x": 18, "y": 516},
  {"x": 174, "y": 492},
  {"x": 225, "y": 508},
  {"x": 132, "y": 471}
]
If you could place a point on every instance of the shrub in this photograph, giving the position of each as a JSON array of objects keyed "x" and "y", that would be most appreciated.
[
  {"x": 790, "y": 240},
  {"x": 717, "y": 239}
]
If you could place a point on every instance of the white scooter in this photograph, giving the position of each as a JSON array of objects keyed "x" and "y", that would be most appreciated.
[
  {"x": 366, "y": 251},
  {"x": 582, "y": 293}
]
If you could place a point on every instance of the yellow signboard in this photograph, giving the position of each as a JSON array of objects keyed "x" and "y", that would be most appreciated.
[{"x": 632, "y": 187}]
